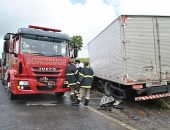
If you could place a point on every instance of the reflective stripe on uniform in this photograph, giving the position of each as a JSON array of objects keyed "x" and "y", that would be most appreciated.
[
  {"x": 85, "y": 86},
  {"x": 81, "y": 74},
  {"x": 72, "y": 83},
  {"x": 86, "y": 76},
  {"x": 76, "y": 72},
  {"x": 78, "y": 82},
  {"x": 79, "y": 98},
  {"x": 70, "y": 74},
  {"x": 76, "y": 91}
]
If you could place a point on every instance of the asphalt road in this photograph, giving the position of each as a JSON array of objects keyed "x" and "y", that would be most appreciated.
[{"x": 44, "y": 112}]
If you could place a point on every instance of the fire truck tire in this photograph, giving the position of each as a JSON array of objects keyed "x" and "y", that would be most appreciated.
[
  {"x": 59, "y": 94},
  {"x": 3, "y": 82},
  {"x": 13, "y": 96}
]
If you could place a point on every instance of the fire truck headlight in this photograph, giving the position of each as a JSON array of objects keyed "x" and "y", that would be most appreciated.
[{"x": 23, "y": 83}]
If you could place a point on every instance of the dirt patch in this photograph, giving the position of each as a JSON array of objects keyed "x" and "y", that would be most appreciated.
[{"x": 144, "y": 115}]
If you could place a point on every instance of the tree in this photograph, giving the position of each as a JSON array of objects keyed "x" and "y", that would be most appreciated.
[{"x": 76, "y": 40}]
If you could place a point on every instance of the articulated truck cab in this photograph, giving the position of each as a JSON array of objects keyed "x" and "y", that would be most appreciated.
[{"x": 35, "y": 61}]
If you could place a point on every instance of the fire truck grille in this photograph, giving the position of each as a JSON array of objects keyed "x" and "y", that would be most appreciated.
[
  {"x": 46, "y": 88},
  {"x": 43, "y": 79},
  {"x": 49, "y": 81}
]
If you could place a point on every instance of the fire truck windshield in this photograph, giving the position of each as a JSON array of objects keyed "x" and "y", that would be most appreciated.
[{"x": 44, "y": 47}]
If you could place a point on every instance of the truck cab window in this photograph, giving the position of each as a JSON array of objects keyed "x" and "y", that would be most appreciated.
[
  {"x": 45, "y": 48},
  {"x": 63, "y": 49}
]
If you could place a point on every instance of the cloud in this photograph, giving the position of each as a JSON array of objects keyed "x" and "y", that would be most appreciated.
[
  {"x": 86, "y": 19},
  {"x": 74, "y": 17},
  {"x": 115, "y": 4},
  {"x": 145, "y": 7},
  {"x": 78, "y": 1}
]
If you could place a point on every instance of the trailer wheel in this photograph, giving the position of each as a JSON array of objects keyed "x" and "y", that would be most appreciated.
[
  {"x": 107, "y": 88},
  {"x": 100, "y": 87},
  {"x": 59, "y": 94}
]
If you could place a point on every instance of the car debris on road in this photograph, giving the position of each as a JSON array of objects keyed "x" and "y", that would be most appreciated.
[{"x": 107, "y": 102}]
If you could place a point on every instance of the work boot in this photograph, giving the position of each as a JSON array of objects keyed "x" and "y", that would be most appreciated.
[
  {"x": 76, "y": 95},
  {"x": 72, "y": 97},
  {"x": 86, "y": 102},
  {"x": 76, "y": 103}
]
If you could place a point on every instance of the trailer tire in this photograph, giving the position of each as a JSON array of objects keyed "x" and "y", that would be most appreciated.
[
  {"x": 100, "y": 87},
  {"x": 59, "y": 94},
  {"x": 107, "y": 88}
]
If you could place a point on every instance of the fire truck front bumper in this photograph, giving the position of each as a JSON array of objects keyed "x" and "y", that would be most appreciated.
[{"x": 32, "y": 86}]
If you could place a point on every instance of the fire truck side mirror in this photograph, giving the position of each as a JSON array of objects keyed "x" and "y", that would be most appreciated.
[
  {"x": 75, "y": 51},
  {"x": 6, "y": 46},
  {"x": 7, "y": 37}
]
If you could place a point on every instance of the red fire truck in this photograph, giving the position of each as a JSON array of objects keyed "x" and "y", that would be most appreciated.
[{"x": 34, "y": 61}]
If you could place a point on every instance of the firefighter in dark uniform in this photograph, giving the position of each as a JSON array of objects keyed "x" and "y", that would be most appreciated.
[
  {"x": 85, "y": 81},
  {"x": 71, "y": 74},
  {"x": 77, "y": 63}
]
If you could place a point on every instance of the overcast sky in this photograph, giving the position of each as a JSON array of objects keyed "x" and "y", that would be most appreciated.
[{"x": 74, "y": 17}]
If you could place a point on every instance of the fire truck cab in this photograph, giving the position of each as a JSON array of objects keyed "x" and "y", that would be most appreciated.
[{"x": 34, "y": 61}]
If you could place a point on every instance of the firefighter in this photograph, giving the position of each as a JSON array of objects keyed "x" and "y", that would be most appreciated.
[
  {"x": 77, "y": 63},
  {"x": 71, "y": 74},
  {"x": 85, "y": 81}
]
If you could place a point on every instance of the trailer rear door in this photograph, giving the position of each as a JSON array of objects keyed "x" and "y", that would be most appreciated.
[
  {"x": 141, "y": 48},
  {"x": 164, "y": 38},
  {"x": 147, "y": 40}
]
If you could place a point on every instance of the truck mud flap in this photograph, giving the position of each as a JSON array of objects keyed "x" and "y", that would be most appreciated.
[{"x": 121, "y": 93}]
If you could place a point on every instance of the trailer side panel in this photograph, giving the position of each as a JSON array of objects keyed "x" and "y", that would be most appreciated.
[{"x": 106, "y": 56}]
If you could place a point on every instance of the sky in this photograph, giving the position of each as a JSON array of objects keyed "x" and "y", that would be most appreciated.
[{"x": 74, "y": 17}]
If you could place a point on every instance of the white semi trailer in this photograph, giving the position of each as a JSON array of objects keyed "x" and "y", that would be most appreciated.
[{"x": 131, "y": 57}]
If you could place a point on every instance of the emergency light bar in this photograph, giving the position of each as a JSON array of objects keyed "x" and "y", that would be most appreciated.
[{"x": 44, "y": 28}]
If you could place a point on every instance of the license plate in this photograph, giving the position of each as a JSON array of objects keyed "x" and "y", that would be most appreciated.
[
  {"x": 65, "y": 82},
  {"x": 156, "y": 83},
  {"x": 51, "y": 83}
]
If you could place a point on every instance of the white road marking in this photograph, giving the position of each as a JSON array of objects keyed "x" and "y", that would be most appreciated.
[
  {"x": 41, "y": 103},
  {"x": 113, "y": 119}
]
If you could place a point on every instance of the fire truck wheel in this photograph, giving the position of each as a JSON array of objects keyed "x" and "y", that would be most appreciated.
[
  {"x": 59, "y": 94},
  {"x": 3, "y": 82},
  {"x": 13, "y": 96}
]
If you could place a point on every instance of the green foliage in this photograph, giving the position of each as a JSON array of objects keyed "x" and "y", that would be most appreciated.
[
  {"x": 82, "y": 60},
  {"x": 163, "y": 103},
  {"x": 78, "y": 41}
]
